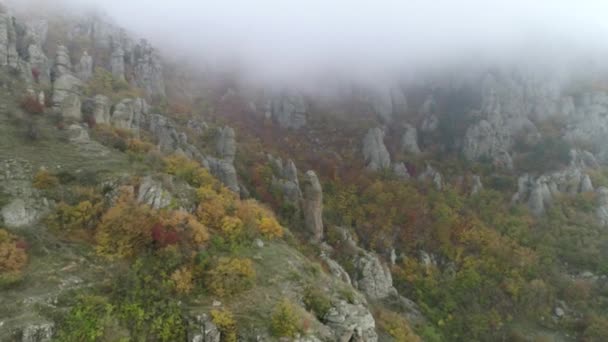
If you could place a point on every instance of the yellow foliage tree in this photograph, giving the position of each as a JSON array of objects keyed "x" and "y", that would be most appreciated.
[
  {"x": 125, "y": 229},
  {"x": 230, "y": 276},
  {"x": 259, "y": 219},
  {"x": 224, "y": 320},
  {"x": 285, "y": 321},
  {"x": 182, "y": 280}
]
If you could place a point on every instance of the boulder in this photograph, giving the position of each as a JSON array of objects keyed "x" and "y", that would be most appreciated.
[
  {"x": 129, "y": 114},
  {"x": 351, "y": 323},
  {"x": 312, "y": 205},
  {"x": 67, "y": 90},
  {"x": 602, "y": 209},
  {"x": 400, "y": 170},
  {"x": 78, "y": 134},
  {"x": 409, "y": 140},
  {"x": 477, "y": 185},
  {"x": 372, "y": 277},
  {"x": 224, "y": 170},
  {"x": 374, "y": 151}
]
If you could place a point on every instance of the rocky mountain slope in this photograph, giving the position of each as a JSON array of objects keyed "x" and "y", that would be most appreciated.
[{"x": 440, "y": 209}]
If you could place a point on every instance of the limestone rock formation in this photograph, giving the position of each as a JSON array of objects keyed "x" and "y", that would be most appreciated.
[
  {"x": 85, "y": 67},
  {"x": 152, "y": 193},
  {"x": 130, "y": 114},
  {"x": 539, "y": 192},
  {"x": 374, "y": 151},
  {"x": 226, "y": 143},
  {"x": 63, "y": 64},
  {"x": 602, "y": 209},
  {"x": 224, "y": 170},
  {"x": 8, "y": 42},
  {"x": 39, "y": 63},
  {"x": 205, "y": 330},
  {"x": 335, "y": 269},
  {"x": 25, "y": 205},
  {"x": 285, "y": 180},
  {"x": 409, "y": 140},
  {"x": 148, "y": 70},
  {"x": 78, "y": 134},
  {"x": 312, "y": 205},
  {"x": 351, "y": 322},
  {"x": 117, "y": 63},
  {"x": 388, "y": 102},
  {"x": 101, "y": 109},
  {"x": 430, "y": 174},
  {"x": 400, "y": 170},
  {"x": 477, "y": 185},
  {"x": 289, "y": 110},
  {"x": 67, "y": 90}
]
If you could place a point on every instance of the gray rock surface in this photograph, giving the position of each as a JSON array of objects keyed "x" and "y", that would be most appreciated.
[
  {"x": 40, "y": 332},
  {"x": 312, "y": 205},
  {"x": 63, "y": 64},
  {"x": 101, "y": 109},
  {"x": 67, "y": 90},
  {"x": 400, "y": 171},
  {"x": 289, "y": 110},
  {"x": 152, "y": 193},
  {"x": 224, "y": 170},
  {"x": 226, "y": 143},
  {"x": 373, "y": 277},
  {"x": 78, "y": 134},
  {"x": 374, "y": 151},
  {"x": 205, "y": 330},
  {"x": 477, "y": 185},
  {"x": 351, "y": 323},
  {"x": 432, "y": 175},
  {"x": 409, "y": 140},
  {"x": 26, "y": 206},
  {"x": 129, "y": 114},
  {"x": 285, "y": 180},
  {"x": 602, "y": 209},
  {"x": 117, "y": 63},
  {"x": 148, "y": 70},
  {"x": 85, "y": 67},
  {"x": 8, "y": 42}
]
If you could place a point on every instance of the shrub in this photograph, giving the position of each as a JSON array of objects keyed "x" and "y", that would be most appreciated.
[
  {"x": 182, "y": 279},
  {"x": 12, "y": 257},
  {"x": 317, "y": 302},
  {"x": 230, "y": 276},
  {"x": 87, "y": 321},
  {"x": 44, "y": 180},
  {"x": 224, "y": 320},
  {"x": 125, "y": 229},
  {"x": 69, "y": 218},
  {"x": 188, "y": 170},
  {"x": 285, "y": 321},
  {"x": 31, "y": 105},
  {"x": 258, "y": 219},
  {"x": 270, "y": 228},
  {"x": 396, "y": 326}
]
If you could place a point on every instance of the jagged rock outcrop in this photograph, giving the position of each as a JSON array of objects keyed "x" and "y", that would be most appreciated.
[
  {"x": 8, "y": 42},
  {"x": 130, "y": 114},
  {"x": 289, "y": 110},
  {"x": 148, "y": 70},
  {"x": 67, "y": 90},
  {"x": 430, "y": 174},
  {"x": 400, "y": 170},
  {"x": 373, "y": 277},
  {"x": 63, "y": 64},
  {"x": 587, "y": 121},
  {"x": 409, "y": 140},
  {"x": 25, "y": 206},
  {"x": 539, "y": 192},
  {"x": 335, "y": 269},
  {"x": 101, "y": 109},
  {"x": 152, "y": 193},
  {"x": 285, "y": 179},
  {"x": 477, "y": 185},
  {"x": 351, "y": 323},
  {"x": 374, "y": 151},
  {"x": 312, "y": 205},
  {"x": 39, "y": 64},
  {"x": 388, "y": 102},
  {"x": 226, "y": 143},
  {"x": 602, "y": 209},
  {"x": 205, "y": 330},
  {"x": 39, "y": 332},
  {"x": 169, "y": 140},
  {"x": 85, "y": 67},
  {"x": 117, "y": 63}
]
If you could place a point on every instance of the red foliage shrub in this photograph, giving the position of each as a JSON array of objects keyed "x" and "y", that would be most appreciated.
[
  {"x": 36, "y": 75},
  {"x": 164, "y": 237},
  {"x": 31, "y": 105},
  {"x": 22, "y": 244}
]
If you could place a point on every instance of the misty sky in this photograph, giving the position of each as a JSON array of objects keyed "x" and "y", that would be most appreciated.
[{"x": 285, "y": 35}]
